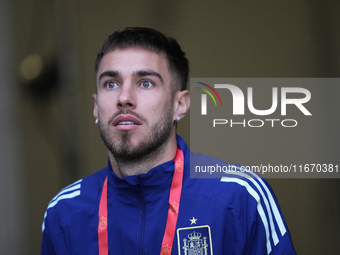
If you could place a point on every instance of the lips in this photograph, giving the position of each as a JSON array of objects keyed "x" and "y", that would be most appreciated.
[{"x": 126, "y": 119}]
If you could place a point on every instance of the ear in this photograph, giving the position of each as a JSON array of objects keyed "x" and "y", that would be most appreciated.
[
  {"x": 95, "y": 107},
  {"x": 181, "y": 104}
]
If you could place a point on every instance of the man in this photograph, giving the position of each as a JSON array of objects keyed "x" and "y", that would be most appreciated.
[{"x": 144, "y": 201}]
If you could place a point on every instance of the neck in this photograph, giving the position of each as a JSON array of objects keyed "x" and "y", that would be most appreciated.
[{"x": 166, "y": 152}]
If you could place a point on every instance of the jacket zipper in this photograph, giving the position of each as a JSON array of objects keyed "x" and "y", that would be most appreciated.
[{"x": 143, "y": 217}]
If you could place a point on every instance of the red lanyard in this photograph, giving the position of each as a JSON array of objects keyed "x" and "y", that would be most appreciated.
[
  {"x": 102, "y": 225},
  {"x": 174, "y": 201}
]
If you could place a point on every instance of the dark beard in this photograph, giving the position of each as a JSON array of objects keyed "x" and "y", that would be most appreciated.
[{"x": 148, "y": 149}]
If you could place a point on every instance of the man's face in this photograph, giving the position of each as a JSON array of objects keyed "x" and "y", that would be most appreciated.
[{"x": 133, "y": 102}]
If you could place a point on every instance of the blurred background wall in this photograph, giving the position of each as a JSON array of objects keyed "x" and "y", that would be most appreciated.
[{"x": 47, "y": 131}]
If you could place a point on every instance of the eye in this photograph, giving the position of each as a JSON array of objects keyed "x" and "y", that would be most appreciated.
[
  {"x": 146, "y": 84},
  {"x": 111, "y": 84}
]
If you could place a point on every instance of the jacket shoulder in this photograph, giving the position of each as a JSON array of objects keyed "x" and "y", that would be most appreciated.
[{"x": 79, "y": 194}]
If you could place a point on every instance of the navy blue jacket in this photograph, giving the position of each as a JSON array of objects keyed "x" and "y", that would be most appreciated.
[{"x": 232, "y": 215}]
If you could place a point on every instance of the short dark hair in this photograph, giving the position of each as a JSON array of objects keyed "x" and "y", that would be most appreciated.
[{"x": 150, "y": 39}]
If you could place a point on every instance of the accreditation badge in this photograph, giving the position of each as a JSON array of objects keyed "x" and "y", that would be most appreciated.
[{"x": 194, "y": 241}]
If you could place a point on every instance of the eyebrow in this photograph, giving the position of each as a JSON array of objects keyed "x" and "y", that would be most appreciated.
[
  {"x": 108, "y": 74},
  {"x": 141, "y": 73}
]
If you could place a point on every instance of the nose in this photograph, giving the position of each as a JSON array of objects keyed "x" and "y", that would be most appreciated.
[{"x": 126, "y": 98}]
